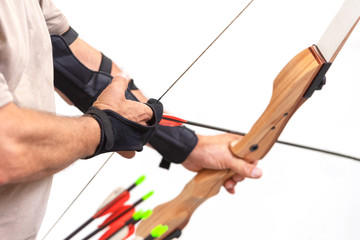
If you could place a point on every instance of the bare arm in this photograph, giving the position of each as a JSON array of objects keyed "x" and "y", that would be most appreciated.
[{"x": 36, "y": 144}]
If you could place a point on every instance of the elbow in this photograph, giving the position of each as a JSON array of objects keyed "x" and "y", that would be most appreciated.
[
  {"x": 9, "y": 163},
  {"x": 11, "y": 152},
  {"x": 4, "y": 179}
]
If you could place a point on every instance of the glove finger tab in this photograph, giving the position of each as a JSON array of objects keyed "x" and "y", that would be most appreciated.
[{"x": 157, "y": 108}]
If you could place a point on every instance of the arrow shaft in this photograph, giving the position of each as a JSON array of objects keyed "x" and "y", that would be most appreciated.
[
  {"x": 278, "y": 141},
  {"x": 80, "y": 228}
]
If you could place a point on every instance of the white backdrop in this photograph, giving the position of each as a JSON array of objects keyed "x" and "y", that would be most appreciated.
[{"x": 303, "y": 194}]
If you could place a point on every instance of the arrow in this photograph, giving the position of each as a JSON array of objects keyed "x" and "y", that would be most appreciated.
[
  {"x": 172, "y": 121},
  {"x": 112, "y": 206},
  {"x": 117, "y": 233},
  {"x": 104, "y": 225},
  {"x": 115, "y": 221}
]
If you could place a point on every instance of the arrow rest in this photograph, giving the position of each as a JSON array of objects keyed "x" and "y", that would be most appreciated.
[{"x": 320, "y": 79}]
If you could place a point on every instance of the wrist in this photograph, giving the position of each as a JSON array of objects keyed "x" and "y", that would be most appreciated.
[
  {"x": 92, "y": 134},
  {"x": 118, "y": 133}
]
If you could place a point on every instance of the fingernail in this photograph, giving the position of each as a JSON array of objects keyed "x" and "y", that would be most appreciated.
[
  {"x": 256, "y": 173},
  {"x": 229, "y": 185}
]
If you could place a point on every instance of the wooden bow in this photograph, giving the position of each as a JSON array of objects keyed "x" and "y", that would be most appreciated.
[
  {"x": 205, "y": 177},
  {"x": 292, "y": 87}
]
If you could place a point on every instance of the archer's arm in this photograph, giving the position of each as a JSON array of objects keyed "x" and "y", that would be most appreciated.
[
  {"x": 37, "y": 144},
  {"x": 211, "y": 152}
]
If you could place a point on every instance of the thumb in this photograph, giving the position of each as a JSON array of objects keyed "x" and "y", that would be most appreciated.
[
  {"x": 120, "y": 82},
  {"x": 245, "y": 169}
]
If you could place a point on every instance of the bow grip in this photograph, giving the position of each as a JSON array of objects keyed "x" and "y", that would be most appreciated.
[{"x": 290, "y": 91}]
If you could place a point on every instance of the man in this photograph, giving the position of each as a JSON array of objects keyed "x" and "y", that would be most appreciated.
[{"x": 35, "y": 143}]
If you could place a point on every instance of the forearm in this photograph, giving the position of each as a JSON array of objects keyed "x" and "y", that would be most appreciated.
[
  {"x": 36, "y": 144},
  {"x": 89, "y": 56},
  {"x": 173, "y": 143}
]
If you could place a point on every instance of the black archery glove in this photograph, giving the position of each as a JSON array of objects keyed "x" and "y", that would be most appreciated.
[{"x": 121, "y": 134}]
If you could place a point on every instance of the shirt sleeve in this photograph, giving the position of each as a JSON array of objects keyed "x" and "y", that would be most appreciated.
[
  {"x": 55, "y": 20},
  {"x": 5, "y": 95}
]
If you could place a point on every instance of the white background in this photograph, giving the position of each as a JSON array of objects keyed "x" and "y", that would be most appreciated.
[{"x": 303, "y": 194}]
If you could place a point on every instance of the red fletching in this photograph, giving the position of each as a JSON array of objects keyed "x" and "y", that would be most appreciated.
[
  {"x": 171, "y": 121},
  {"x": 131, "y": 231},
  {"x": 117, "y": 213},
  {"x": 116, "y": 204},
  {"x": 116, "y": 225}
]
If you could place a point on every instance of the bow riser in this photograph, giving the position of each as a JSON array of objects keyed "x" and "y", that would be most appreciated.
[{"x": 289, "y": 89}]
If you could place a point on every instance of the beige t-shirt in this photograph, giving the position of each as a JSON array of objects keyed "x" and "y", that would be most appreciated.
[{"x": 26, "y": 78}]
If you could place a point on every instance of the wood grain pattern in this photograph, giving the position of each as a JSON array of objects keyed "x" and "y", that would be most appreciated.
[{"x": 288, "y": 89}]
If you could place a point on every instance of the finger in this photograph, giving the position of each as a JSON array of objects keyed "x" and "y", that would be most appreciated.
[
  {"x": 138, "y": 112},
  {"x": 127, "y": 154},
  {"x": 231, "y": 183},
  {"x": 230, "y": 186},
  {"x": 120, "y": 81},
  {"x": 148, "y": 114},
  {"x": 245, "y": 169},
  {"x": 123, "y": 75},
  {"x": 113, "y": 95},
  {"x": 237, "y": 178}
]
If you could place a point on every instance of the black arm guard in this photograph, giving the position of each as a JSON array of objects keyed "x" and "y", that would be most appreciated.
[
  {"x": 82, "y": 86},
  {"x": 173, "y": 143}
]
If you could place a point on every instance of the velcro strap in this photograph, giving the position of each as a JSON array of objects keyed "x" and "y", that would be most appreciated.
[
  {"x": 165, "y": 164},
  {"x": 70, "y": 36},
  {"x": 132, "y": 85},
  {"x": 105, "y": 125},
  {"x": 106, "y": 64}
]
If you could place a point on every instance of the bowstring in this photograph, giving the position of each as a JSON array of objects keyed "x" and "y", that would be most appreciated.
[
  {"x": 207, "y": 48},
  {"x": 186, "y": 70},
  {"x": 77, "y": 196}
]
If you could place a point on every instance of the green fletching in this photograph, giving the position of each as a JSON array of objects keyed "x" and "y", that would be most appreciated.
[
  {"x": 138, "y": 215},
  {"x": 147, "y": 214},
  {"x": 140, "y": 180},
  {"x": 147, "y": 195},
  {"x": 159, "y": 230}
]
